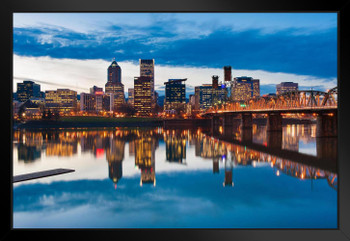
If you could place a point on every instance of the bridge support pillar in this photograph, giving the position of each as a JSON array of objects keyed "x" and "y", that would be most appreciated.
[
  {"x": 274, "y": 139},
  {"x": 274, "y": 122},
  {"x": 215, "y": 124},
  {"x": 228, "y": 119},
  {"x": 247, "y": 135},
  {"x": 326, "y": 148},
  {"x": 228, "y": 124},
  {"x": 327, "y": 125},
  {"x": 247, "y": 121}
]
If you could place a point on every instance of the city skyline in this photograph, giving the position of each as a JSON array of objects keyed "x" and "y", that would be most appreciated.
[{"x": 273, "y": 52}]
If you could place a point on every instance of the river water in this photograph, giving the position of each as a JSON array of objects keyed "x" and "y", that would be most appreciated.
[{"x": 156, "y": 178}]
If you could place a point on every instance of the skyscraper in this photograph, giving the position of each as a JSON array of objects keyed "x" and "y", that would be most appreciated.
[
  {"x": 114, "y": 73},
  {"x": 147, "y": 70},
  {"x": 215, "y": 81},
  {"x": 114, "y": 86},
  {"x": 131, "y": 96},
  {"x": 228, "y": 79},
  {"x": 227, "y": 73},
  {"x": 142, "y": 95}
]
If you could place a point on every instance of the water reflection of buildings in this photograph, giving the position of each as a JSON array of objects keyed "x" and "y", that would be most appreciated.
[
  {"x": 143, "y": 144},
  {"x": 115, "y": 156},
  {"x": 61, "y": 143},
  {"x": 29, "y": 145},
  {"x": 175, "y": 145}
]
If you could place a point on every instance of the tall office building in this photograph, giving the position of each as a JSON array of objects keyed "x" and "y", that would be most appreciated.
[
  {"x": 114, "y": 73},
  {"x": 284, "y": 87},
  {"x": 147, "y": 70},
  {"x": 142, "y": 95},
  {"x": 131, "y": 96},
  {"x": 88, "y": 102},
  {"x": 227, "y": 73},
  {"x": 203, "y": 96},
  {"x": 98, "y": 92},
  {"x": 228, "y": 79},
  {"x": 27, "y": 90},
  {"x": 219, "y": 92},
  {"x": 244, "y": 88},
  {"x": 114, "y": 86},
  {"x": 215, "y": 81},
  {"x": 206, "y": 96},
  {"x": 95, "y": 101},
  {"x": 175, "y": 94}
]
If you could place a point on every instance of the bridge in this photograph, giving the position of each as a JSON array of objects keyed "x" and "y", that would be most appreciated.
[{"x": 320, "y": 104}]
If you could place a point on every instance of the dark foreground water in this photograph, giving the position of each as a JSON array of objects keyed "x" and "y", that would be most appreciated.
[{"x": 155, "y": 178}]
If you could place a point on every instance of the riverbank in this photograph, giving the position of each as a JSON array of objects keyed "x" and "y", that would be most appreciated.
[
  {"x": 98, "y": 122},
  {"x": 90, "y": 122}
]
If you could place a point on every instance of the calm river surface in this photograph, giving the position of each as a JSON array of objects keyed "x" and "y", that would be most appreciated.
[{"x": 156, "y": 178}]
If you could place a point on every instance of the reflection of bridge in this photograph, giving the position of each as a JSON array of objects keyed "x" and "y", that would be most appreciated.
[
  {"x": 300, "y": 166},
  {"x": 301, "y": 171},
  {"x": 326, "y": 157},
  {"x": 321, "y": 104}
]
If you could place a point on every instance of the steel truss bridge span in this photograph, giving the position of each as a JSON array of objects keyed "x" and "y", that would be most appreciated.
[{"x": 306, "y": 101}]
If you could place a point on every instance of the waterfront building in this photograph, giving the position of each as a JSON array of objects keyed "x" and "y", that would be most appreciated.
[
  {"x": 39, "y": 101},
  {"x": 131, "y": 96},
  {"x": 30, "y": 110},
  {"x": 219, "y": 92},
  {"x": 244, "y": 88},
  {"x": 207, "y": 96},
  {"x": 175, "y": 94},
  {"x": 284, "y": 87},
  {"x": 15, "y": 108},
  {"x": 87, "y": 102},
  {"x": 98, "y": 92},
  {"x": 61, "y": 100},
  {"x": 203, "y": 96},
  {"x": 142, "y": 96},
  {"x": 106, "y": 103},
  {"x": 27, "y": 90},
  {"x": 114, "y": 85},
  {"x": 147, "y": 70},
  {"x": 219, "y": 95},
  {"x": 95, "y": 101}
]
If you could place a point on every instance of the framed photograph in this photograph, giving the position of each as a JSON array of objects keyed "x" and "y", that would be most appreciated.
[{"x": 196, "y": 121}]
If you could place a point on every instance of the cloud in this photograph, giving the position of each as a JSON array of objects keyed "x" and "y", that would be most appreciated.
[
  {"x": 189, "y": 201},
  {"x": 291, "y": 50},
  {"x": 80, "y": 75}
]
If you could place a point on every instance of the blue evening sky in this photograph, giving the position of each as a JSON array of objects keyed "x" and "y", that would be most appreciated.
[{"x": 302, "y": 44}]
